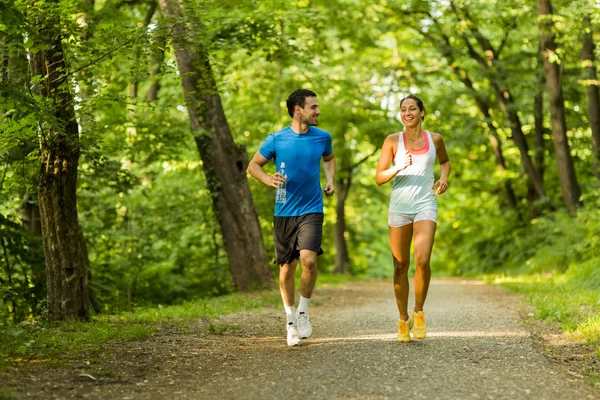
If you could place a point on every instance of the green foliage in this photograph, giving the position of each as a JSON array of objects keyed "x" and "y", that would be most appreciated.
[
  {"x": 486, "y": 240},
  {"x": 146, "y": 214},
  {"x": 22, "y": 278}
]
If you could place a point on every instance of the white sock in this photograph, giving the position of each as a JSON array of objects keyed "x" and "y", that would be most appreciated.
[
  {"x": 290, "y": 313},
  {"x": 303, "y": 305}
]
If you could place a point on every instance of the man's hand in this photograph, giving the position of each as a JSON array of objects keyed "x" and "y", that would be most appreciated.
[
  {"x": 329, "y": 190},
  {"x": 276, "y": 180}
]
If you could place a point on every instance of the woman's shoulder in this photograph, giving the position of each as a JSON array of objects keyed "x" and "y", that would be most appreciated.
[
  {"x": 393, "y": 137},
  {"x": 436, "y": 137}
]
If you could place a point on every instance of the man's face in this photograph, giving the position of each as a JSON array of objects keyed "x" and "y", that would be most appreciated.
[{"x": 309, "y": 114}]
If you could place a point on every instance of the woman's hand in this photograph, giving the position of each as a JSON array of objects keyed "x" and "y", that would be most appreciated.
[
  {"x": 405, "y": 162},
  {"x": 441, "y": 186}
]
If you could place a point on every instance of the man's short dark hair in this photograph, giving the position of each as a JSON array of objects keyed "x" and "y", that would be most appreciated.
[{"x": 298, "y": 98}]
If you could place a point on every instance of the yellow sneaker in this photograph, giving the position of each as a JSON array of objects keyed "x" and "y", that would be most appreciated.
[
  {"x": 404, "y": 331},
  {"x": 418, "y": 328}
]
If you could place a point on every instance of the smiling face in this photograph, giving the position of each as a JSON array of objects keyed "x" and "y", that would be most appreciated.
[
  {"x": 410, "y": 113},
  {"x": 309, "y": 114}
]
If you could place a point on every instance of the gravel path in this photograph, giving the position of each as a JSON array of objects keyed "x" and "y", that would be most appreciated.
[{"x": 476, "y": 348}]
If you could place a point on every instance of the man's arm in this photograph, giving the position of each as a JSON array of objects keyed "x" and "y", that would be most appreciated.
[
  {"x": 255, "y": 169},
  {"x": 329, "y": 167}
]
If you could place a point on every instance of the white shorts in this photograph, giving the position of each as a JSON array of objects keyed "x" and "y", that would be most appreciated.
[{"x": 396, "y": 220}]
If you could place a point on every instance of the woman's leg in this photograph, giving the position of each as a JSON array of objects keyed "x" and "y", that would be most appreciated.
[
  {"x": 424, "y": 232},
  {"x": 400, "y": 240}
]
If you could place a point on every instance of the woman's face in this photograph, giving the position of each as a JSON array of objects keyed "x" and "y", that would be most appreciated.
[{"x": 410, "y": 113}]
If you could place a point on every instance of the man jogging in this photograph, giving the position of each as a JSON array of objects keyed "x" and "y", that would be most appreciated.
[{"x": 298, "y": 221}]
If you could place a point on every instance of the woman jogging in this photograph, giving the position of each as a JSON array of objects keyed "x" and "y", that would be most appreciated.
[{"x": 408, "y": 158}]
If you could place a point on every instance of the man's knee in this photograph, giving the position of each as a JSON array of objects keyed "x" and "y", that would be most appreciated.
[
  {"x": 309, "y": 261},
  {"x": 286, "y": 272}
]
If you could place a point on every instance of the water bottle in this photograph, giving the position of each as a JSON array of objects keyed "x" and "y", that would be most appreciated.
[{"x": 280, "y": 196}]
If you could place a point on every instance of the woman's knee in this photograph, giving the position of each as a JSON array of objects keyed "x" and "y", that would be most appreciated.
[
  {"x": 401, "y": 267},
  {"x": 422, "y": 263}
]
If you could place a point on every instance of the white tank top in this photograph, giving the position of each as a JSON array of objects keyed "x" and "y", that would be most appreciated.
[{"x": 412, "y": 192}]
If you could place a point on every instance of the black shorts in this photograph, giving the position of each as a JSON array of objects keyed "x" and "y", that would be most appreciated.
[{"x": 293, "y": 234}]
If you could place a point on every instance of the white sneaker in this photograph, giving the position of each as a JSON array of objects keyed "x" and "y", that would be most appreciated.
[
  {"x": 304, "y": 326},
  {"x": 293, "y": 337}
]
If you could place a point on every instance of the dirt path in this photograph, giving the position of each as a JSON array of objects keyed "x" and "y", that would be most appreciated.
[{"x": 476, "y": 349}]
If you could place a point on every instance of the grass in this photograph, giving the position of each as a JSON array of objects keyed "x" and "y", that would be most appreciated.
[
  {"x": 7, "y": 395},
  {"x": 42, "y": 341},
  {"x": 571, "y": 306},
  {"x": 556, "y": 300}
]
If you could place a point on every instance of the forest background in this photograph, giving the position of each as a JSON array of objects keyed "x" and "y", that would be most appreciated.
[{"x": 126, "y": 128}]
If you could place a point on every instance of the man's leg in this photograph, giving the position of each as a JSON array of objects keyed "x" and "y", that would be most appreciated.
[
  {"x": 308, "y": 259},
  {"x": 287, "y": 286},
  {"x": 310, "y": 235}
]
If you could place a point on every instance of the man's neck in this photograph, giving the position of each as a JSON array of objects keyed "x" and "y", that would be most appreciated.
[{"x": 299, "y": 127}]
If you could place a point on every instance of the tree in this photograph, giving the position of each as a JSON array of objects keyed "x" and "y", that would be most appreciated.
[
  {"x": 564, "y": 162},
  {"x": 343, "y": 184},
  {"x": 539, "y": 144},
  {"x": 64, "y": 247},
  {"x": 591, "y": 80},
  {"x": 224, "y": 162},
  {"x": 437, "y": 35},
  {"x": 445, "y": 48},
  {"x": 504, "y": 97}
]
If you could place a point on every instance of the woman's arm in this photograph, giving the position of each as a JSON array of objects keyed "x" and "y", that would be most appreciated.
[
  {"x": 384, "y": 172},
  {"x": 444, "y": 160}
]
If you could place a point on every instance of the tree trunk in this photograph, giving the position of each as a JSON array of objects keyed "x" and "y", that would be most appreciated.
[
  {"x": 509, "y": 193},
  {"x": 539, "y": 148},
  {"x": 539, "y": 144},
  {"x": 156, "y": 61},
  {"x": 224, "y": 162},
  {"x": 157, "y": 58},
  {"x": 30, "y": 213},
  {"x": 343, "y": 184},
  {"x": 589, "y": 68},
  {"x": 495, "y": 141},
  {"x": 564, "y": 161},
  {"x": 342, "y": 259},
  {"x": 505, "y": 100},
  {"x": 64, "y": 246}
]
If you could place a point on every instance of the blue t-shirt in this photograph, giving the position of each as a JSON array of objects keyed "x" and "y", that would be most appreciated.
[{"x": 301, "y": 154}]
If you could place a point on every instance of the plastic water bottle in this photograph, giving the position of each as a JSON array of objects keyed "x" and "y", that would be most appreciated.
[{"x": 280, "y": 196}]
